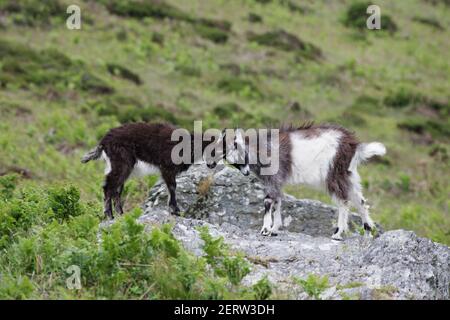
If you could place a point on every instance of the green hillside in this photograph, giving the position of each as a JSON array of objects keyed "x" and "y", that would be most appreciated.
[{"x": 247, "y": 63}]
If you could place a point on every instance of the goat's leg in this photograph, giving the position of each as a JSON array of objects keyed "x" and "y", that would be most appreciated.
[
  {"x": 121, "y": 166},
  {"x": 277, "y": 221},
  {"x": 363, "y": 210},
  {"x": 118, "y": 206},
  {"x": 107, "y": 194},
  {"x": 342, "y": 218},
  {"x": 359, "y": 202},
  {"x": 121, "y": 173},
  {"x": 171, "y": 183},
  {"x": 267, "y": 225}
]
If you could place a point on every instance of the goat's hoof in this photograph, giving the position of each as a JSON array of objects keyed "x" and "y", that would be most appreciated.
[
  {"x": 175, "y": 210},
  {"x": 337, "y": 237},
  {"x": 266, "y": 232},
  {"x": 109, "y": 216},
  {"x": 274, "y": 232}
]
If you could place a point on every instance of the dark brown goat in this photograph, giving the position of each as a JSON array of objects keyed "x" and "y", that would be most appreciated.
[{"x": 138, "y": 149}]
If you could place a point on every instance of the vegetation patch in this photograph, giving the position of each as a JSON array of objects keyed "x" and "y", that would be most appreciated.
[
  {"x": 286, "y": 41},
  {"x": 125, "y": 73},
  {"x": 144, "y": 9},
  {"x": 227, "y": 109},
  {"x": 94, "y": 84},
  {"x": 243, "y": 87},
  {"x": 254, "y": 18},
  {"x": 213, "y": 34},
  {"x": 217, "y": 254},
  {"x": 127, "y": 109},
  {"x": 423, "y": 126},
  {"x": 401, "y": 98},
  {"x": 32, "y": 12},
  {"x": 431, "y": 22},
  {"x": 356, "y": 18},
  {"x": 213, "y": 30},
  {"x": 313, "y": 285},
  {"x": 22, "y": 66},
  {"x": 45, "y": 231}
]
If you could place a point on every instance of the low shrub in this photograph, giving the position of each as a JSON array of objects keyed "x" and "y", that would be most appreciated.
[
  {"x": 400, "y": 98},
  {"x": 23, "y": 66},
  {"x": 226, "y": 110},
  {"x": 213, "y": 34},
  {"x": 254, "y": 18},
  {"x": 262, "y": 289},
  {"x": 234, "y": 267},
  {"x": 286, "y": 41},
  {"x": 421, "y": 126},
  {"x": 94, "y": 84},
  {"x": 240, "y": 86},
  {"x": 125, "y": 73},
  {"x": 64, "y": 202},
  {"x": 313, "y": 285},
  {"x": 8, "y": 185},
  {"x": 428, "y": 21},
  {"x": 356, "y": 17},
  {"x": 32, "y": 12},
  {"x": 143, "y": 9}
]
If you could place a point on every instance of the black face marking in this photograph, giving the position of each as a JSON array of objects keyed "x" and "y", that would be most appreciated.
[
  {"x": 336, "y": 230},
  {"x": 367, "y": 227}
]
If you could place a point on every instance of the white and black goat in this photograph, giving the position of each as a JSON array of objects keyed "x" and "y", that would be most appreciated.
[
  {"x": 139, "y": 149},
  {"x": 320, "y": 156}
]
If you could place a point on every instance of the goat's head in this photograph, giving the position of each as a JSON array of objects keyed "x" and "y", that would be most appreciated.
[{"x": 233, "y": 150}]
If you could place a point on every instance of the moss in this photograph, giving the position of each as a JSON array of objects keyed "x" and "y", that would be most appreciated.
[
  {"x": 124, "y": 73},
  {"x": 356, "y": 18},
  {"x": 384, "y": 292},
  {"x": 349, "y": 285},
  {"x": 286, "y": 41}
]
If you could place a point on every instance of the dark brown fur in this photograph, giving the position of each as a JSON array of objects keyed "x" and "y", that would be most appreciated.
[
  {"x": 127, "y": 144},
  {"x": 338, "y": 179}
]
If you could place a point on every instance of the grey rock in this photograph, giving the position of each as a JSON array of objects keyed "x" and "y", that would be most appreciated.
[{"x": 396, "y": 265}]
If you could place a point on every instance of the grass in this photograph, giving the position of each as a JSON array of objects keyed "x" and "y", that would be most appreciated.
[{"x": 61, "y": 90}]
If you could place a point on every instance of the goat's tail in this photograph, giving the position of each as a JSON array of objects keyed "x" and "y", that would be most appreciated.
[
  {"x": 93, "y": 154},
  {"x": 365, "y": 151}
]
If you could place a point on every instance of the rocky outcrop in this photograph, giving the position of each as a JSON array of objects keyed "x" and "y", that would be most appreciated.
[{"x": 393, "y": 265}]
